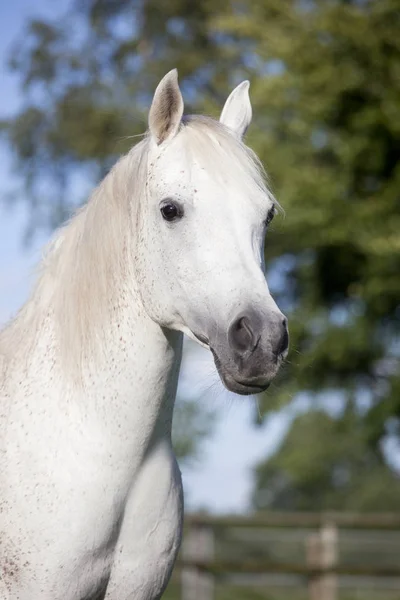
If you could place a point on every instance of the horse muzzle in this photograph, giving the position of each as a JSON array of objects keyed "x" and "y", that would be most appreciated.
[{"x": 249, "y": 356}]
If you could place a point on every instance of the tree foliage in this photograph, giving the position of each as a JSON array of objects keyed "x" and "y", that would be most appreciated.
[
  {"x": 326, "y": 94},
  {"x": 325, "y": 463}
]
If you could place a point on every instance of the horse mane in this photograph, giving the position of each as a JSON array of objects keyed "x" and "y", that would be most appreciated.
[
  {"x": 213, "y": 144},
  {"x": 83, "y": 264},
  {"x": 92, "y": 255}
]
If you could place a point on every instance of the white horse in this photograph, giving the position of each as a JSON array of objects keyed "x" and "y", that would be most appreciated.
[{"x": 170, "y": 242}]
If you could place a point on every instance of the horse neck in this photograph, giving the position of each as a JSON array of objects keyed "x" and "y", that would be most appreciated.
[
  {"x": 125, "y": 391},
  {"x": 132, "y": 385},
  {"x": 130, "y": 364}
]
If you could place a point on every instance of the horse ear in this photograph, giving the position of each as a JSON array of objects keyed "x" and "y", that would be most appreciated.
[
  {"x": 166, "y": 109},
  {"x": 237, "y": 112}
]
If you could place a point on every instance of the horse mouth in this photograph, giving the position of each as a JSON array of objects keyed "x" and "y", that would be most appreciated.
[
  {"x": 204, "y": 341},
  {"x": 244, "y": 388}
]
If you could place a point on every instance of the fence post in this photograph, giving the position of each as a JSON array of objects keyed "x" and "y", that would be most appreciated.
[
  {"x": 198, "y": 545},
  {"x": 329, "y": 546},
  {"x": 321, "y": 550},
  {"x": 313, "y": 555}
]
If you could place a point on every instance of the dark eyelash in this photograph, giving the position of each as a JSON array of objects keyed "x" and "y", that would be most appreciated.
[{"x": 270, "y": 215}]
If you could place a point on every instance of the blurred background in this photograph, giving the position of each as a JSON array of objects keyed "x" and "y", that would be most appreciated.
[{"x": 308, "y": 472}]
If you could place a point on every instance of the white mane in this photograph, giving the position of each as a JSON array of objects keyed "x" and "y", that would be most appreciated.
[
  {"x": 92, "y": 255},
  {"x": 223, "y": 154}
]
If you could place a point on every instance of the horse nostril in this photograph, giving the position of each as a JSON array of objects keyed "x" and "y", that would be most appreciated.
[
  {"x": 241, "y": 334},
  {"x": 284, "y": 341}
]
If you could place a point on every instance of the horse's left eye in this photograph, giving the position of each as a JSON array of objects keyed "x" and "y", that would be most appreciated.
[
  {"x": 270, "y": 215},
  {"x": 170, "y": 211}
]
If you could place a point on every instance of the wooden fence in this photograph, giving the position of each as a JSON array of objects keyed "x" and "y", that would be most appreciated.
[{"x": 319, "y": 566}]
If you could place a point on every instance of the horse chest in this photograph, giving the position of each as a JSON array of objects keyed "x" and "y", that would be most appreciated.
[
  {"x": 141, "y": 554},
  {"x": 122, "y": 544},
  {"x": 104, "y": 507},
  {"x": 151, "y": 530}
]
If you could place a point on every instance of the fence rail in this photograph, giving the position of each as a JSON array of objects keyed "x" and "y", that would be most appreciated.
[
  {"x": 219, "y": 567},
  {"x": 208, "y": 541},
  {"x": 345, "y": 520}
]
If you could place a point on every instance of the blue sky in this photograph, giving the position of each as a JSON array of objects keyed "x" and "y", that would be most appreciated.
[{"x": 221, "y": 481}]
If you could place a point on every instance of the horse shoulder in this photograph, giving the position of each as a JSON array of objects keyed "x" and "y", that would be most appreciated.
[{"x": 151, "y": 530}]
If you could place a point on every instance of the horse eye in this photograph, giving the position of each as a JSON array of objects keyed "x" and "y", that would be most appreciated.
[
  {"x": 270, "y": 215},
  {"x": 170, "y": 211}
]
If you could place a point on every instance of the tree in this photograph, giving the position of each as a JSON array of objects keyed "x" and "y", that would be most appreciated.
[
  {"x": 325, "y": 90},
  {"x": 325, "y": 463}
]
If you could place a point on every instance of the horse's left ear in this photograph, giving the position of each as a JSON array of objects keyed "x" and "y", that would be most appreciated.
[
  {"x": 166, "y": 109},
  {"x": 237, "y": 112}
]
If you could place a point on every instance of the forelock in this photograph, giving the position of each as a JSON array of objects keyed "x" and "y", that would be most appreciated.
[{"x": 214, "y": 146}]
